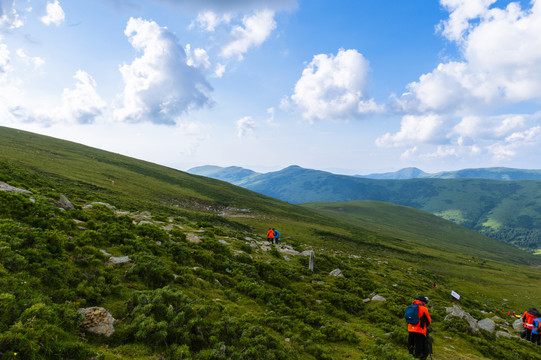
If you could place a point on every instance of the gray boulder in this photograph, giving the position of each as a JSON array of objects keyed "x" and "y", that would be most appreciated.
[
  {"x": 487, "y": 324},
  {"x": 517, "y": 325},
  {"x": 378, "y": 298},
  {"x": 336, "y": 272},
  {"x": 97, "y": 320},
  {"x": 9, "y": 188},
  {"x": 64, "y": 203},
  {"x": 456, "y": 311},
  {"x": 503, "y": 334}
]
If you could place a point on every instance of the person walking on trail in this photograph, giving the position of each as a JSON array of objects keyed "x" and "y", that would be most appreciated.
[
  {"x": 276, "y": 236},
  {"x": 270, "y": 235},
  {"x": 536, "y": 331},
  {"x": 527, "y": 322},
  {"x": 418, "y": 319}
]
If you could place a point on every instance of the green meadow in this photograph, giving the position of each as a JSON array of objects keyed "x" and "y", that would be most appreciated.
[{"x": 202, "y": 282}]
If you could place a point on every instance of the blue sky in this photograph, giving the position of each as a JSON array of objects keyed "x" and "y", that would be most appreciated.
[{"x": 353, "y": 87}]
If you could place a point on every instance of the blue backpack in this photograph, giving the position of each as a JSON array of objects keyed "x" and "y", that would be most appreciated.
[{"x": 412, "y": 314}]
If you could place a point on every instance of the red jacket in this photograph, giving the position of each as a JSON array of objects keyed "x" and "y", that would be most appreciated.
[
  {"x": 424, "y": 319},
  {"x": 270, "y": 234},
  {"x": 527, "y": 320}
]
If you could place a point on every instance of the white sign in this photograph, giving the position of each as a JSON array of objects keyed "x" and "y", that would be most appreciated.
[{"x": 455, "y": 295}]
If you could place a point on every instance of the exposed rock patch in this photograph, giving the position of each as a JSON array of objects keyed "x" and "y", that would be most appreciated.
[
  {"x": 6, "y": 187},
  {"x": 97, "y": 321}
]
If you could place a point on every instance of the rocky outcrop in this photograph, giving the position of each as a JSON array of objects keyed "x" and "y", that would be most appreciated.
[
  {"x": 336, "y": 272},
  {"x": 456, "y": 311},
  {"x": 97, "y": 320},
  {"x": 518, "y": 325},
  {"x": 488, "y": 325},
  {"x": 9, "y": 188},
  {"x": 64, "y": 203},
  {"x": 378, "y": 298}
]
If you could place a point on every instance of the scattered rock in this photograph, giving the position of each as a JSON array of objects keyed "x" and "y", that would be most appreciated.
[
  {"x": 97, "y": 321},
  {"x": 378, "y": 298},
  {"x": 118, "y": 260},
  {"x": 223, "y": 242},
  {"x": 286, "y": 258},
  {"x": 496, "y": 318},
  {"x": 9, "y": 188},
  {"x": 89, "y": 206},
  {"x": 504, "y": 334},
  {"x": 518, "y": 325},
  {"x": 366, "y": 300},
  {"x": 336, "y": 272},
  {"x": 105, "y": 252},
  {"x": 64, "y": 203},
  {"x": 487, "y": 324},
  {"x": 456, "y": 311}
]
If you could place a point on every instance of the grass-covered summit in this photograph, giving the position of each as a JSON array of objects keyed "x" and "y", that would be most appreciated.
[{"x": 201, "y": 282}]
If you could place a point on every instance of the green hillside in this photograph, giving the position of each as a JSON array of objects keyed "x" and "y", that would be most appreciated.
[
  {"x": 200, "y": 282},
  {"x": 507, "y": 210}
]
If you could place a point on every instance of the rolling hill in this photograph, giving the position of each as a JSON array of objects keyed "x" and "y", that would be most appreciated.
[
  {"x": 180, "y": 261},
  {"x": 507, "y": 210}
]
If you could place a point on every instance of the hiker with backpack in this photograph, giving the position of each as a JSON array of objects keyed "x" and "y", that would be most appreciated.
[
  {"x": 527, "y": 322},
  {"x": 270, "y": 235},
  {"x": 276, "y": 236},
  {"x": 536, "y": 331},
  {"x": 418, "y": 319}
]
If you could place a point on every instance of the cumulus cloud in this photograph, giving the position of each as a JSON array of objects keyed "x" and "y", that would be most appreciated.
[
  {"x": 9, "y": 17},
  {"x": 209, "y": 20},
  {"x": 82, "y": 104},
  {"x": 55, "y": 14},
  {"x": 159, "y": 85},
  {"x": 245, "y": 126},
  {"x": 255, "y": 30},
  {"x": 415, "y": 129},
  {"x": 197, "y": 58},
  {"x": 501, "y": 63},
  {"x": 334, "y": 87}
]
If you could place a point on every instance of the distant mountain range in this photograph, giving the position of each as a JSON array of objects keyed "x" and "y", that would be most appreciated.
[
  {"x": 500, "y": 202},
  {"x": 495, "y": 173}
]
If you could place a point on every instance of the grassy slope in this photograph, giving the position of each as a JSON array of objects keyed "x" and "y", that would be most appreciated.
[{"x": 414, "y": 256}]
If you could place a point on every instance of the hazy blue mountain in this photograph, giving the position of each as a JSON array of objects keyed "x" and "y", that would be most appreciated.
[
  {"x": 495, "y": 173},
  {"x": 406, "y": 173},
  {"x": 232, "y": 174}
]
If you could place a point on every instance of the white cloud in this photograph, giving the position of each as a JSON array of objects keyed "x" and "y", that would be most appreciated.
[
  {"x": 415, "y": 129},
  {"x": 219, "y": 70},
  {"x": 461, "y": 13},
  {"x": 5, "y": 59},
  {"x": 35, "y": 61},
  {"x": 55, "y": 14},
  {"x": 209, "y": 20},
  {"x": 245, "y": 126},
  {"x": 232, "y": 6},
  {"x": 197, "y": 58},
  {"x": 501, "y": 63},
  {"x": 82, "y": 104},
  {"x": 334, "y": 87},
  {"x": 255, "y": 30},
  {"x": 496, "y": 127},
  {"x": 159, "y": 85},
  {"x": 9, "y": 17}
]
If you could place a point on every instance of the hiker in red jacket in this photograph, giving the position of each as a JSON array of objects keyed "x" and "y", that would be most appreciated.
[
  {"x": 418, "y": 341},
  {"x": 527, "y": 322},
  {"x": 270, "y": 235}
]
